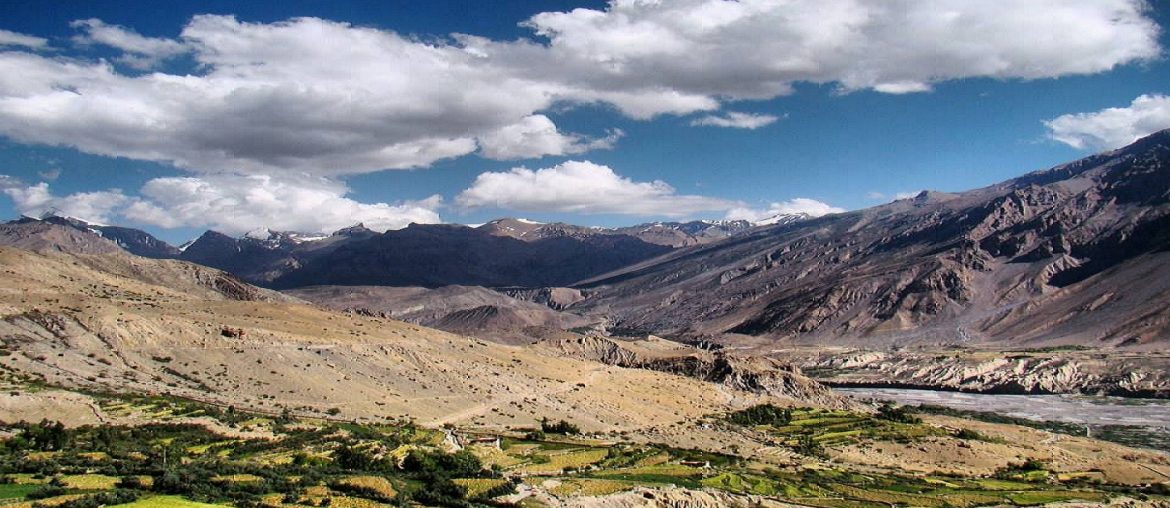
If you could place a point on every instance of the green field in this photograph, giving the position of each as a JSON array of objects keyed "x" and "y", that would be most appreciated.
[
  {"x": 166, "y": 502},
  {"x": 174, "y": 464},
  {"x": 16, "y": 490}
]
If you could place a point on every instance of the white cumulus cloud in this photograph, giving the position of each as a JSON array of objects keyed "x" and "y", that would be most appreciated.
[
  {"x": 581, "y": 187},
  {"x": 299, "y": 96},
  {"x": 97, "y": 207},
  {"x": 1112, "y": 127},
  {"x": 236, "y": 205},
  {"x": 140, "y": 52},
  {"x": 230, "y": 204},
  {"x": 810, "y": 207},
  {"x": 651, "y": 57},
  {"x": 536, "y": 136},
  {"x": 735, "y": 119},
  {"x": 10, "y": 38}
]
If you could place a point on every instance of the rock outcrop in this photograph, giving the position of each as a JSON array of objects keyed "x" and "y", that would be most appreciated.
[
  {"x": 1145, "y": 375},
  {"x": 747, "y": 373}
]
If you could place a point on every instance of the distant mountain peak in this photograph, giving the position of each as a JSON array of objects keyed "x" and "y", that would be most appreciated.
[
  {"x": 782, "y": 218},
  {"x": 54, "y": 215},
  {"x": 259, "y": 234},
  {"x": 358, "y": 229},
  {"x": 132, "y": 240}
]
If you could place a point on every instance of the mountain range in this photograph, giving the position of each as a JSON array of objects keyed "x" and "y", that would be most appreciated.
[
  {"x": 1070, "y": 255},
  {"x": 503, "y": 252}
]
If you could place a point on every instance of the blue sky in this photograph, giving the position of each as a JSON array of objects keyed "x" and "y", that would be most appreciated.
[{"x": 185, "y": 116}]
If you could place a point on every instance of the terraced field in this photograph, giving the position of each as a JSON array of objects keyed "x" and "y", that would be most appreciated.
[{"x": 282, "y": 461}]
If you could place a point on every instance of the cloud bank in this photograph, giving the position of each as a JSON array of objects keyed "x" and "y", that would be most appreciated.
[
  {"x": 1112, "y": 127},
  {"x": 308, "y": 95},
  {"x": 229, "y": 204}
]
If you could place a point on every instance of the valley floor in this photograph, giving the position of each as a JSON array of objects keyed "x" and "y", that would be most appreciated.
[{"x": 165, "y": 451}]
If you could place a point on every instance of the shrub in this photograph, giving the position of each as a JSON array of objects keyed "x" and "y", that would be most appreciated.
[
  {"x": 970, "y": 434},
  {"x": 762, "y": 414},
  {"x": 806, "y": 445},
  {"x": 102, "y": 499},
  {"x": 46, "y": 492},
  {"x": 561, "y": 427},
  {"x": 897, "y": 414}
]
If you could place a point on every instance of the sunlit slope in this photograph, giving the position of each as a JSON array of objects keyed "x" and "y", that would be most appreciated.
[{"x": 164, "y": 326}]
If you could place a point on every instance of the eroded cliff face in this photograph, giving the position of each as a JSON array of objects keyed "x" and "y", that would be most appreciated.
[
  {"x": 1073, "y": 253},
  {"x": 747, "y": 373},
  {"x": 1134, "y": 375}
]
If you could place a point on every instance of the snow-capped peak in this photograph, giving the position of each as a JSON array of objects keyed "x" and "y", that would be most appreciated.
[
  {"x": 276, "y": 237},
  {"x": 781, "y": 218},
  {"x": 74, "y": 220}
]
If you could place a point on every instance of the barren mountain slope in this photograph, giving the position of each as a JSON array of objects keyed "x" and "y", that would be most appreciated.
[
  {"x": 470, "y": 310},
  {"x": 135, "y": 241},
  {"x": 36, "y": 235},
  {"x": 1075, "y": 254},
  {"x": 72, "y": 324}
]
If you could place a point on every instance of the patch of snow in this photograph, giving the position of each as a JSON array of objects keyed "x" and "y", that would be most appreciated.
[
  {"x": 259, "y": 234},
  {"x": 782, "y": 218},
  {"x": 308, "y": 238}
]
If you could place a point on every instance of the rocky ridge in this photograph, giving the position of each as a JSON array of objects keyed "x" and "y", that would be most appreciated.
[
  {"x": 671, "y": 234},
  {"x": 1067, "y": 255}
]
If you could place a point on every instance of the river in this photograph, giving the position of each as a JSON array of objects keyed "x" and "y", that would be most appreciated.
[{"x": 1077, "y": 409}]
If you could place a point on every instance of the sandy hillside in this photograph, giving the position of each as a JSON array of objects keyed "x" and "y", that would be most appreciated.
[{"x": 124, "y": 327}]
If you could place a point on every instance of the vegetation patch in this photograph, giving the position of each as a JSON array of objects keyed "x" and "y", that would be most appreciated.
[
  {"x": 175, "y": 464},
  {"x": 166, "y": 502},
  {"x": 480, "y": 487}
]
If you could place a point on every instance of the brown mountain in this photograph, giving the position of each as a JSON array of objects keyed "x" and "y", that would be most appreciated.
[
  {"x": 1073, "y": 254},
  {"x": 41, "y": 236},
  {"x": 469, "y": 310}
]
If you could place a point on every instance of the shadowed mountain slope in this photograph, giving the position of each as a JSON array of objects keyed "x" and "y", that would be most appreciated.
[
  {"x": 441, "y": 255},
  {"x": 1074, "y": 254}
]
